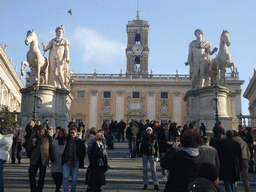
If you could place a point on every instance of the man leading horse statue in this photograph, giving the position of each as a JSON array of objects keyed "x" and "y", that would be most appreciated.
[
  {"x": 57, "y": 69},
  {"x": 204, "y": 72}
]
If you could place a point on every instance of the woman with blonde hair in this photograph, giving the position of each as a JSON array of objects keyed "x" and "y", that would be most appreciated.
[
  {"x": 95, "y": 177},
  {"x": 90, "y": 138}
]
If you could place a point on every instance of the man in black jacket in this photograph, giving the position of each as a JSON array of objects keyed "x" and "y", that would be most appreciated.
[
  {"x": 72, "y": 158},
  {"x": 121, "y": 128},
  {"x": 164, "y": 144},
  {"x": 229, "y": 152}
]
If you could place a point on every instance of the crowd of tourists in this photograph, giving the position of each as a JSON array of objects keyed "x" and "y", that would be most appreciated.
[{"x": 190, "y": 160}]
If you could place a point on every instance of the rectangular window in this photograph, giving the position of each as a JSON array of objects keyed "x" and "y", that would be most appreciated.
[
  {"x": 106, "y": 121},
  {"x": 164, "y": 121},
  {"x": 136, "y": 95},
  {"x": 78, "y": 121},
  {"x": 106, "y": 94},
  {"x": 164, "y": 95},
  {"x": 80, "y": 94}
]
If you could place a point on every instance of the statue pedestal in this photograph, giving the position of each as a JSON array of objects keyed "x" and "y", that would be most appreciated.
[
  {"x": 201, "y": 106},
  {"x": 51, "y": 103}
]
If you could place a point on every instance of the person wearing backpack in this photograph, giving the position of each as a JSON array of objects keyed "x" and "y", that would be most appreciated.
[
  {"x": 41, "y": 150},
  {"x": 18, "y": 136}
]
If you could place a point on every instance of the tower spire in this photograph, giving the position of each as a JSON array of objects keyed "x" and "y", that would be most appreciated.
[
  {"x": 138, "y": 12},
  {"x": 138, "y": 15}
]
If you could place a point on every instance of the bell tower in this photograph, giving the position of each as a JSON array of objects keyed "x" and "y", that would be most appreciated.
[{"x": 137, "y": 50}]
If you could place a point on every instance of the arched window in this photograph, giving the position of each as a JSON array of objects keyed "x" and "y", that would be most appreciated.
[
  {"x": 137, "y": 60},
  {"x": 137, "y": 38}
]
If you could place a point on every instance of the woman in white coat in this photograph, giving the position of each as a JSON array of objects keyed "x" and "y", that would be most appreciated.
[{"x": 5, "y": 145}]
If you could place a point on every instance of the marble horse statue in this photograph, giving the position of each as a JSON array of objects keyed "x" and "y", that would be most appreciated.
[
  {"x": 35, "y": 60},
  {"x": 220, "y": 64}
]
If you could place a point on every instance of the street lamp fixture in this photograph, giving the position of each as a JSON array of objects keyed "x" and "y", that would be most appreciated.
[
  {"x": 35, "y": 88},
  {"x": 216, "y": 104}
]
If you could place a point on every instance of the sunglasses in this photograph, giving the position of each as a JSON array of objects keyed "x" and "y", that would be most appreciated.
[{"x": 72, "y": 132}]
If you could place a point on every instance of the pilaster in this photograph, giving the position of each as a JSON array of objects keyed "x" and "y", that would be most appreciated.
[
  {"x": 93, "y": 109},
  {"x": 120, "y": 105},
  {"x": 151, "y": 105},
  {"x": 177, "y": 110}
]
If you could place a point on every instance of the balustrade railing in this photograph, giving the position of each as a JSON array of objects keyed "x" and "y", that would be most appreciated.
[
  {"x": 140, "y": 76},
  {"x": 129, "y": 76},
  {"x": 247, "y": 121}
]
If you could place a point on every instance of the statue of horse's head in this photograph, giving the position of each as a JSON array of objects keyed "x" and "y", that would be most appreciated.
[
  {"x": 225, "y": 37},
  {"x": 31, "y": 36}
]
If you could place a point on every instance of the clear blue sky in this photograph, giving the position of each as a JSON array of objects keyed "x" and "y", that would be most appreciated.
[{"x": 97, "y": 31}]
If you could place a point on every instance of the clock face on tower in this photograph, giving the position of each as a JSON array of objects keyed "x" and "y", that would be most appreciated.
[{"x": 137, "y": 49}]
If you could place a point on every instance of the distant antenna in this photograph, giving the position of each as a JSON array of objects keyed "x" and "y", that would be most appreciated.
[{"x": 137, "y": 4}]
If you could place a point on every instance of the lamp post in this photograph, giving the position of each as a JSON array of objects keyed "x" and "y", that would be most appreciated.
[
  {"x": 216, "y": 104},
  {"x": 35, "y": 88}
]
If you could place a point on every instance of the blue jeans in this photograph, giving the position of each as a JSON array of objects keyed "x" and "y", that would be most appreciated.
[
  {"x": 164, "y": 171},
  {"x": 133, "y": 148},
  {"x": 145, "y": 159},
  {"x": 68, "y": 169},
  {"x": 1, "y": 175},
  {"x": 230, "y": 187}
]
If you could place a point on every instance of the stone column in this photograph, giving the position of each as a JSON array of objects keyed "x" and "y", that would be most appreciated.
[
  {"x": 1, "y": 91},
  {"x": 238, "y": 101},
  {"x": 93, "y": 116},
  {"x": 119, "y": 105},
  {"x": 8, "y": 98},
  {"x": 151, "y": 107},
  {"x": 177, "y": 112}
]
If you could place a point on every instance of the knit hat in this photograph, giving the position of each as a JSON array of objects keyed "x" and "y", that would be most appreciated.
[
  {"x": 149, "y": 128},
  {"x": 208, "y": 171}
]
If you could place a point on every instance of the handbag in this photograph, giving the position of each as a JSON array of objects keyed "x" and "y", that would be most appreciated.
[{"x": 103, "y": 164}]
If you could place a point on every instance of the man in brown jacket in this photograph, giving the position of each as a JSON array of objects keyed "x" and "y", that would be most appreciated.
[{"x": 40, "y": 150}]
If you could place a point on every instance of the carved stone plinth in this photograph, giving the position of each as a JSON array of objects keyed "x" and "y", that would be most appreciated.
[
  {"x": 51, "y": 103},
  {"x": 201, "y": 106}
]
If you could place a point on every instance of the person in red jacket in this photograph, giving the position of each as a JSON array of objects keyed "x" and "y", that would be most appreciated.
[{"x": 105, "y": 127}]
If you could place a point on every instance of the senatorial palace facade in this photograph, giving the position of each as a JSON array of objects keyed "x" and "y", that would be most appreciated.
[
  {"x": 137, "y": 94},
  {"x": 10, "y": 83}
]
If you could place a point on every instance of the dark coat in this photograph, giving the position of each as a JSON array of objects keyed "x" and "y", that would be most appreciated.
[
  {"x": 113, "y": 127},
  {"x": 230, "y": 160},
  {"x": 202, "y": 184},
  {"x": 149, "y": 145},
  {"x": 215, "y": 142},
  {"x": 128, "y": 133},
  {"x": 183, "y": 170},
  {"x": 121, "y": 126},
  {"x": 162, "y": 141},
  {"x": 80, "y": 152},
  {"x": 42, "y": 148},
  {"x": 97, "y": 175}
]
